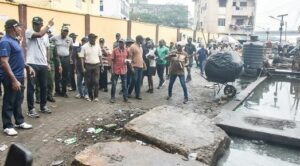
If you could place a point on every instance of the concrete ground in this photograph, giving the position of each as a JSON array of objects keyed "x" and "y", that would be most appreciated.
[{"x": 70, "y": 114}]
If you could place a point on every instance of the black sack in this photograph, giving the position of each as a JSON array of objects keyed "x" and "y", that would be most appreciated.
[{"x": 223, "y": 67}]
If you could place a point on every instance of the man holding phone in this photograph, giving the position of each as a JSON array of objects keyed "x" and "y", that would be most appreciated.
[{"x": 12, "y": 70}]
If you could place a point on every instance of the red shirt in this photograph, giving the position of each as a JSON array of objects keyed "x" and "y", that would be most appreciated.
[{"x": 118, "y": 59}]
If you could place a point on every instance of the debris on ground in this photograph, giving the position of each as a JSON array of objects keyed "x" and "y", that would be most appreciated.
[
  {"x": 70, "y": 141},
  {"x": 140, "y": 142},
  {"x": 57, "y": 163},
  {"x": 91, "y": 130},
  {"x": 110, "y": 126},
  {"x": 192, "y": 156},
  {"x": 59, "y": 140},
  {"x": 3, "y": 147}
]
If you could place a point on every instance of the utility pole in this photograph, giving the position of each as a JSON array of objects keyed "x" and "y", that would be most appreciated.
[
  {"x": 268, "y": 32},
  {"x": 285, "y": 30},
  {"x": 281, "y": 25}
]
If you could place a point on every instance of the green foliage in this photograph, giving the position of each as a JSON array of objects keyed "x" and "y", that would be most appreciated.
[{"x": 172, "y": 15}]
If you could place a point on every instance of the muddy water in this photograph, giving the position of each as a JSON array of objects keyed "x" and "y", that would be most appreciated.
[
  {"x": 277, "y": 98},
  {"x": 257, "y": 153}
]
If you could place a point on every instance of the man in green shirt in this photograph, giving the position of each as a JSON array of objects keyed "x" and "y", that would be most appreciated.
[{"x": 161, "y": 52}]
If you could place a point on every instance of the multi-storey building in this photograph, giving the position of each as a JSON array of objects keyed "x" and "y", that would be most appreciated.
[
  {"x": 115, "y": 8},
  {"x": 225, "y": 17},
  {"x": 77, "y": 6}
]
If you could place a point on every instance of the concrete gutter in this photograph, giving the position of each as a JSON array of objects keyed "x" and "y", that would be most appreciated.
[{"x": 254, "y": 126}]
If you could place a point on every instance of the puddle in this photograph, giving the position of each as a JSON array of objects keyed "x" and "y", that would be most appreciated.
[
  {"x": 277, "y": 98},
  {"x": 257, "y": 153}
]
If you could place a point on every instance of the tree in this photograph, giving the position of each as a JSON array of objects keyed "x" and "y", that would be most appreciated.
[{"x": 167, "y": 15}]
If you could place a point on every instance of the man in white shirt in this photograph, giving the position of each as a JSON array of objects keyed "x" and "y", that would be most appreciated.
[
  {"x": 37, "y": 58},
  {"x": 91, "y": 53},
  {"x": 63, "y": 45}
]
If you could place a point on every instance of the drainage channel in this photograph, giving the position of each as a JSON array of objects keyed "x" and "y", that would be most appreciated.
[
  {"x": 258, "y": 153},
  {"x": 274, "y": 100}
]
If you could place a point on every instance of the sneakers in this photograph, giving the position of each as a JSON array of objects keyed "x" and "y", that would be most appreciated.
[
  {"x": 24, "y": 126},
  {"x": 138, "y": 98},
  {"x": 10, "y": 131},
  {"x": 112, "y": 100},
  {"x": 46, "y": 110},
  {"x": 185, "y": 100},
  {"x": 33, "y": 114},
  {"x": 96, "y": 100},
  {"x": 86, "y": 97},
  {"x": 163, "y": 83},
  {"x": 78, "y": 96},
  {"x": 51, "y": 99},
  {"x": 65, "y": 95}
]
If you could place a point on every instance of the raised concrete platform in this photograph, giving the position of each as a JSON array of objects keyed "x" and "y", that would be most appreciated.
[
  {"x": 128, "y": 154},
  {"x": 253, "y": 126},
  {"x": 180, "y": 131}
]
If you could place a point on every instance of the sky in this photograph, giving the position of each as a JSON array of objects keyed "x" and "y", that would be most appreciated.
[{"x": 265, "y": 8}]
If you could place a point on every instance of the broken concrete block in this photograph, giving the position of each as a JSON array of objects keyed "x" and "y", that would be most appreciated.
[
  {"x": 128, "y": 154},
  {"x": 180, "y": 131}
]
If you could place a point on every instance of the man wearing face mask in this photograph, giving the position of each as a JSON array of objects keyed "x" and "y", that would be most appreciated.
[
  {"x": 38, "y": 59},
  {"x": 63, "y": 45},
  {"x": 12, "y": 73}
]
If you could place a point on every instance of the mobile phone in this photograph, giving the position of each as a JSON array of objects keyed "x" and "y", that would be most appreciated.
[{"x": 18, "y": 156}]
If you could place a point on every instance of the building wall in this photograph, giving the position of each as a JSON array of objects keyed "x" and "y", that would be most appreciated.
[
  {"x": 208, "y": 11},
  {"x": 186, "y": 33},
  {"x": 168, "y": 34},
  {"x": 115, "y": 8},
  {"x": 77, "y": 6},
  {"x": 7, "y": 11},
  {"x": 76, "y": 21},
  {"x": 146, "y": 30},
  {"x": 107, "y": 28}
]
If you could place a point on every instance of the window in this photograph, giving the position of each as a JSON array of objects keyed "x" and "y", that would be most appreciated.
[
  {"x": 221, "y": 22},
  {"x": 233, "y": 3},
  {"x": 222, "y": 3},
  {"x": 243, "y": 3},
  {"x": 101, "y": 6},
  {"x": 78, "y": 4},
  {"x": 239, "y": 22}
]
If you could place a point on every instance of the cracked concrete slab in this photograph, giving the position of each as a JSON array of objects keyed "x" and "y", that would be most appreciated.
[
  {"x": 180, "y": 131},
  {"x": 128, "y": 154}
]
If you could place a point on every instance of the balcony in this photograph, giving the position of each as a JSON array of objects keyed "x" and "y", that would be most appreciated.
[
  {"x": 243, "y": 29},
  {"x": 243, "y": 11}
]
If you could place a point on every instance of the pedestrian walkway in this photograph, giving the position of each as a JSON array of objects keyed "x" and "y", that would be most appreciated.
[{"x": 67, "y": 112}]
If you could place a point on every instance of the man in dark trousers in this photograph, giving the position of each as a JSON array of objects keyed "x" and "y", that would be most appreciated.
[
  {"x": 202, "y": 55},
  {"x": 12, "y": 73},
  {"x": 38, "y": 59},
  {"x": 190, "y": 49}
]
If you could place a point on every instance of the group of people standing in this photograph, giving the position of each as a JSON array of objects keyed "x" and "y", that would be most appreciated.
[{"x": 53, "y": 62}]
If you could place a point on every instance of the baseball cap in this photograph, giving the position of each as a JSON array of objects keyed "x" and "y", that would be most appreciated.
[
  {"x": 91, "y": 35},
  {"x": 121, "y": 41},
  {"x": 101, "y": 40},
  {"x": 65, "y": 28},
  {"x": 37, "y": 20},
  {"x": 129, "y": 40},
  {"x": 11, "y": 23},
  {"x": 73, "y": 35}
]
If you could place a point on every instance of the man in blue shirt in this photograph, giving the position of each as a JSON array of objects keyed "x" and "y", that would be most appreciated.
[
  {"x": 12, "y": 69},
  {"x": 202, "y": 55}
]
